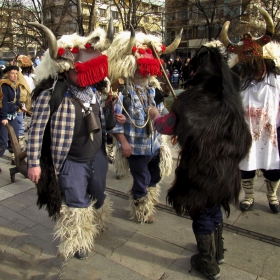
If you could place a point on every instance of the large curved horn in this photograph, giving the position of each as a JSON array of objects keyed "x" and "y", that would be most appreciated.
[
  {"x": 110, "y": 32},
  {"x": 131, "y": 42},
  {"x": 50, "y": 37},
  {"x": 174, "y": 45},
  {"x": 268, "y": 20},
  {"x": 224, "y": 35}
]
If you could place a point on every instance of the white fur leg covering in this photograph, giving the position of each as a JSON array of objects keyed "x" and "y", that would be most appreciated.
[
  {"x": 154, "y": 193},
  {"x": 121, "y": 163},
  {"x": 141, "y": 209},
  {"x": 165, "y": 163},
  {"x": 76, "y": 230},
  {"x": 103, "y": 214}
]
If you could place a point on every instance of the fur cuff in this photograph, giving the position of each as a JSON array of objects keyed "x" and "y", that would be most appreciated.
[
  {"x": 76, "y": 229},
  {"x": 121, "y": 163},
  {"x": 103, "y": 215},
  {"x": 165, "y": 164},
  {"x": 154, "y": 192},
  {"x": 142, "y": 210}
]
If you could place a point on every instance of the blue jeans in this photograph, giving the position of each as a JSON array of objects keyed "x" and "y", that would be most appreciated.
[
  {"x": 145, "y": 172},
  {"x": 4, "y": 136},
  {"x": 20, "y": 124},
  {"x": 204, "y": 221},
  {"x": 82, "y": 182}
]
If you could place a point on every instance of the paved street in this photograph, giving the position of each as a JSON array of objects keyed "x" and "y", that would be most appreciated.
[{"x": 128, "y": 250}]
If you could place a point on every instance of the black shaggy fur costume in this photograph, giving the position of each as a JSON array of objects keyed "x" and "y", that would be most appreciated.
[{"x": 212, "y": 134}]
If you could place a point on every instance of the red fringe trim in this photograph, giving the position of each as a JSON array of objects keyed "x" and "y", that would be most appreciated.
[
  {"x": 92, "y": 71},
  {"x": 149, "y": 66}
]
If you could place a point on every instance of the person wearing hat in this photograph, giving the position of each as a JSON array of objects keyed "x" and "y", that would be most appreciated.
[{"x": 9, "y": 104}]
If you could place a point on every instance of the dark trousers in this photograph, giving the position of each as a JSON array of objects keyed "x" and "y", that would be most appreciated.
[
  {"x": 4, "y": 136},
  {"x": 145, "y": 172},
  {"x": 271, "y": 175},
  {"x": 204, "y": 221},
  {"x": 82, "y": 182}
]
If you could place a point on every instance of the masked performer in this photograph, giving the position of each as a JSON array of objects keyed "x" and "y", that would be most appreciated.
[
  {"x": 66, "y": 148},
  {"x": 208, "y": 122},
  {"x": 256, "y": 61},
  {"x": 131, "y": 58}
]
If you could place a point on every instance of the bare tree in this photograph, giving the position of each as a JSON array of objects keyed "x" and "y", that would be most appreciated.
[{"x": 138, "y": 13}]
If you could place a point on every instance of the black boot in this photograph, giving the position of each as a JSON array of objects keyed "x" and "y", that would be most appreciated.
[
  {"x": 219, "y": 243},
  {"x": 205, "y": 262},
  {"x": 81, "y": 255}
]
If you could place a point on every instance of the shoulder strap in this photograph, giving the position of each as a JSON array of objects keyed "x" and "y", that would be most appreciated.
[{"x": 58, "y": 93}]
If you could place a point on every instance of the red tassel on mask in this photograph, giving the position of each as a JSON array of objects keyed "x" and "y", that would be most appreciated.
[
  {"x": 148, "y": 66},
  {"x": 92, "y": 71}
]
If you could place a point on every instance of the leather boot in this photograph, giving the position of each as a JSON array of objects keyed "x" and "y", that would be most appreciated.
[
  {"x": 248, "y": 187},
  {"x": 272, "y": 196},
  {"x": 219, "y": 243},
  {"x": 205, "y": 261}
]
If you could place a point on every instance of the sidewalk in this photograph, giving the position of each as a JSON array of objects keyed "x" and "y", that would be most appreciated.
[{"x": 127, "y": 250}]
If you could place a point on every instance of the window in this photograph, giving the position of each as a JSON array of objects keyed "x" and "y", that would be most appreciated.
[
  {"x": 115, "y": 14},
  {"x": 182, "y": 15},
  {"x": 116, "y": 29},
  {"x": 102, "y": 13}
]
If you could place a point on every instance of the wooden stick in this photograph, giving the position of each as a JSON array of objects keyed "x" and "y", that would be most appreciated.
[{"x": 162, "y": 68}]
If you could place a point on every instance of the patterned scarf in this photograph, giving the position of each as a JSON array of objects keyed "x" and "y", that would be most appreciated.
[{"x": 84, "y": 94}]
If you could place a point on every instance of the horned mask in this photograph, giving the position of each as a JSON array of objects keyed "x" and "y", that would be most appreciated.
[
  {"x": 249, "y": 47},
  {"x": 131, "y": 52},
  {"x": 84, "y": 54}
]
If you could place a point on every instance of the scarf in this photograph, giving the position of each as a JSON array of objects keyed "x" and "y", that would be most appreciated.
[{"x": 84, "y": 94}]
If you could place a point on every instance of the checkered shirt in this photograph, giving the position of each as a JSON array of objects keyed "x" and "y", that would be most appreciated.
[
  {"x": 62, "y": 129},
  {"x": 140, "y": 143},
  {"x": 165, "y": 124}
]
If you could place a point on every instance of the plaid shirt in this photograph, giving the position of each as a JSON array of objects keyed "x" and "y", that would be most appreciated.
[
  {"x": 137, "y": 137},
  {"x": 62, "y": 129},
  {"x": 165, "y": 124}
]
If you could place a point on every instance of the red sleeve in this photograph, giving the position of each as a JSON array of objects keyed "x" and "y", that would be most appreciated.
[{"x": 165, "y": 124}]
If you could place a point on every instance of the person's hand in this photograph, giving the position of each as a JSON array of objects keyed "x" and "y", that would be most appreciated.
[
  {"x": 126, "y": 149},
  {"x": 4, "y": 122},
  {"x": 174, "y": 139},
  {"x": 24, "y": 110},
  {"x": 34, "y": 174},
  {"x": 120, "y": 118},
  {"x": 153, "y": 112}
]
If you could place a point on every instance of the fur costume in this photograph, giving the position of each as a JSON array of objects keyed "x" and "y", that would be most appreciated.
[
  {"x": 212, "y": 134},
  {"x": 133, "y": 57},
  {"x": 76, "y": 227}
]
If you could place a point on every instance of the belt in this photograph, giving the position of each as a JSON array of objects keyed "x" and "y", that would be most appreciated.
[{"x": 10, "y": 117}]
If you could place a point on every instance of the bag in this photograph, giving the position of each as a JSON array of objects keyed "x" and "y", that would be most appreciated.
[{"x": 109, "y": 113}]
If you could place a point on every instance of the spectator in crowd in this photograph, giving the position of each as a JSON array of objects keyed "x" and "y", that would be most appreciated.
[
  {"x": 9, "y": 104},
  {"x": 175, "y": 77},
  {"x": 37, "y": 61},
  {"x": 169, "y": 67},
  {"x": 186, "y": 71},
  {"x": 178, "y": 64}
]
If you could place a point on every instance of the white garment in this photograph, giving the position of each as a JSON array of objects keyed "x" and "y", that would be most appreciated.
[
  {"x": 30, "y": 81},
  {"x": 261, "y": 105}
]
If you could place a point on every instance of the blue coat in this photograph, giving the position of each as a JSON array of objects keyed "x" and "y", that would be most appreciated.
[{"x": 8, "y": 106}]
